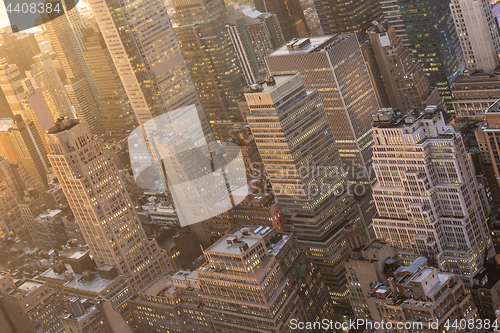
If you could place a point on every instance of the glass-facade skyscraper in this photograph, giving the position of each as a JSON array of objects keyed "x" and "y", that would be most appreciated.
[
  {"x": 290, "y": 15},
  {"x": 347, "y": 16},
  {"x": 427, "y": 28}
]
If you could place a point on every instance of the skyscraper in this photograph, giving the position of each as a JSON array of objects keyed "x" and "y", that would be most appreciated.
[
  {"x": 290, "y": 15},
  {"x": 427, "y": 28},
  {"x": 405, "y": 84},
  {"x": 65, "y": 36},
  {"x": 305, "y": 170},
  {"x": 427, "y": 197},
  {"x": 479, "y": 39},
  {"x": 147, "y": 56},
  {"x": 20, "y": 142},
  {"x": 10, "y": 83},
  {"x": 19, "y": 49},
  {"x": 117, "y": 114},
  {"x": 44, "y": 75},
  {"x": 211, "y": 60},
  {"x": 82, "y": 91},
  {"x": 288, "y": 288},
  {"x": 254, "y": 36},
  {"x": 335, "y": 66},
  {"x": 486, "y": 136},
  {"x": 478, "y": 33},
  {"x": 345, "y": 16},
  {"x": 101, "y": 205}
]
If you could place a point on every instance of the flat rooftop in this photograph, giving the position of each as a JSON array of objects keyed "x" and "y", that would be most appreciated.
[
  {"x": 422, "y": 275},
  {"x": 374, "y": 246},
  {"x": 253, "y": 235},
  {"x": 94, "y": 283},
  {"x": 48, "y": 213},
  {"x": 478, "y": 77},
  {"x": 316, "y": 44},
  {"x": 29, "y": 286},
  {"x": 266, "y": 87}
]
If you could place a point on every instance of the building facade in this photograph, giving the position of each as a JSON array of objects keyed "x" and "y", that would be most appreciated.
[
  {"x": 335, "y": 66},
  {"x": 304, "y": 168},
  {"x": 428, "y": 200},
  {"x": 290, "y": 16},
  {"x": 427, "y": 28},
  {"x": 342, "y": 17},
  {"x": 478, "y": 34},
  {"x": 101, "y": 204},
  {"x": 405, "y": 84},
  {"x": 254, "y": 36},
  {"x": 154, "y": 75}
]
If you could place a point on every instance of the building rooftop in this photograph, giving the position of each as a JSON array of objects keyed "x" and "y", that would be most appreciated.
[
  {"x": 93, "y": 282},
  {"x": 63, "y": 124},
  {"x": 308, "y": 45},
  {"x": 272, "y": 83},
  {"x": 28, "y": 286},
  {"x": 478, "y": 77},
  {"x": 227, "y": 244},
  {"x": 488, "y": 277},
  {"x": 422, "y": 275},
  {"x": 375, "y": 245},
  {"x": 48, "y": 213}
]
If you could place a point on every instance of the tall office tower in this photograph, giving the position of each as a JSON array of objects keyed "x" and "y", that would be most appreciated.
[
  {"x": 267, "y": 282},
  {"x": 427, "y": 197},
  {"x": 17, "y": 54},
  {"x": 86, "y": 107},
  {"x": 334, "y": 65},
  {"x": 254, "y": 35},
  {"x": 44, "y": 75},
  {"x": 427, "y": 28},
  {"x": 33, "y": 307},
  {"x": 37, "y": 110},
  {"x": 290, "y": 16},
  {"x": 211, "y": 60},
  {"x": 11, "y": 221},
  {"x": 478, "y": 34},
  {"x": 147, "y": 56},
  {"x": 23, "y": 199},
  {"x": 21, "y": 143},
  {"x": 10, "y": 83},
  {"x": 101, "y": 204},
  {"x": 117, "y": 113},
  {"x": 82, "y": 91},
  {"x": 478, "y": 31},
  {"x": 348, "y": 17},
  {"x": 18, "y": 49},
  {"x": 405, "y": 84},
  {"x": 288, "y": 120},
  {"x": 486, "y": 136},
  {"x": 65, "y": 36}
]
